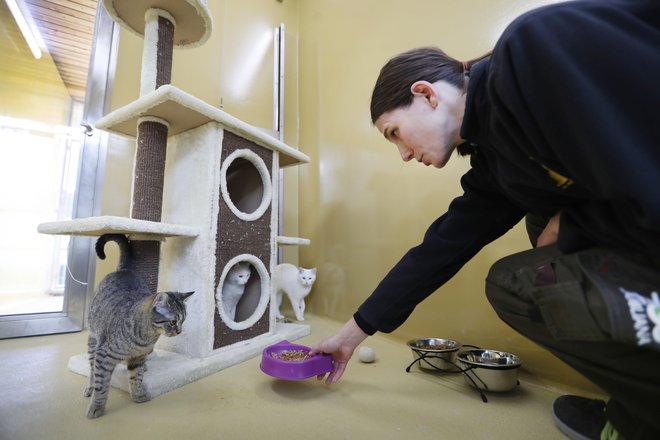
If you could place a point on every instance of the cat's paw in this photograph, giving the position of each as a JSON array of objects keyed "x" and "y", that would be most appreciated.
[
  {"x": 300, "y": 318},
  {"x": 88, "y": 391},
  {"x": 95, "y": 411},
  {"x": 142, "y": 397}
]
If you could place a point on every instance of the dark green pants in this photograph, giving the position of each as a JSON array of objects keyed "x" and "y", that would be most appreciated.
[{"x": 595, "y": 311}]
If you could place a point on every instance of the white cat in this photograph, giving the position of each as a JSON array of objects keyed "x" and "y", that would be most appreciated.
[
  {"x": 296, "y": 282},
  {"x": 233, "y": 288}
]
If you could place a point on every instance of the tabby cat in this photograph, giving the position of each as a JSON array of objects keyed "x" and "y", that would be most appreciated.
[{"x": 125, "y": 321}]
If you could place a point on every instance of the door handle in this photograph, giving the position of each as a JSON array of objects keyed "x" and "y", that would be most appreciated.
[{"x": 89, "y": 130}]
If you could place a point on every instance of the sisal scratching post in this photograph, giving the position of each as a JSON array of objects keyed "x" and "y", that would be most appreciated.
[
  {"x": 147, "y": 259},
  {"x": 158, "y": 50},
  {"x": 151, "y": 142},
  {"x": 149, "y": 171},
  {"x": 147, "y": 201}
]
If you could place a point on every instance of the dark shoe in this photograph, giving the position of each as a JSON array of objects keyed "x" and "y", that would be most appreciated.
[{"x": 578, "y": 417}]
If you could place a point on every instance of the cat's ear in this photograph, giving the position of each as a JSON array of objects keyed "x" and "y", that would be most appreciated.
[
  {"x": 183, "y": 295},
  {"x": 313, "y": 270},
  {"x": 160, "y": 299}
]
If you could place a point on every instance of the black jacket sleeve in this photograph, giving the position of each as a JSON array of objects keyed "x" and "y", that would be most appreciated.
[{"x": 473, "y": 220}]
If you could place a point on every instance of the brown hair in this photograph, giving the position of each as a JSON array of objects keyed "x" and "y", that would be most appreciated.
[{"x": 392, "y": 89}]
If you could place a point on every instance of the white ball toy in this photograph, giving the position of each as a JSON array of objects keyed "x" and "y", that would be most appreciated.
[{"x": 367, "y": 355}]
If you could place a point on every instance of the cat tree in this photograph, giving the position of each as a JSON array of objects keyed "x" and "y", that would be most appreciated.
[{"x": 209, "y": 182}]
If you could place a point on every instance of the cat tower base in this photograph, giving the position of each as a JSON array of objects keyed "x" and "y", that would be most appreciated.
[{"x": 167, "y": 370}]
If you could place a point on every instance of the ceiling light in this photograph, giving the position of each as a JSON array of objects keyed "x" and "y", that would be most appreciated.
[{"x": 22, "y": 23}]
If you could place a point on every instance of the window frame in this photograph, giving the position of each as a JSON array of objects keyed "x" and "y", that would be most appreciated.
[{"x": 87, "y": 203}]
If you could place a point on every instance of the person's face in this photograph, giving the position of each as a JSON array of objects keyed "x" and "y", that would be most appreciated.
[{"x": 428, "y": 130}]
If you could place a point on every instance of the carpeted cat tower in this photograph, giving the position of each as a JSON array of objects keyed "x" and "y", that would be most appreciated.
[{"x": 209, "y": 183}]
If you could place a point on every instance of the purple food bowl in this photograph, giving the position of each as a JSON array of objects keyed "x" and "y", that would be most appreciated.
[{"x": 274, "y": 363}]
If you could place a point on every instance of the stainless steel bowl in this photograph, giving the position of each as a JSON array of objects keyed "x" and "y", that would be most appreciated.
[
  {"x": 430, "y": 358},
  {"x": 491, "y": 370}
]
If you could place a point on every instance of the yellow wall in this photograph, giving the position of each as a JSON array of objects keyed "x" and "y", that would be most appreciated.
[{"x": 360, "y": 205}]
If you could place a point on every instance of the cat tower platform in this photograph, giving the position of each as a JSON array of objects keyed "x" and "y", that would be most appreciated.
[
  {"x": 208, "y": 183},
  {"x": 97, "y": 226},
  {"x": 182, "y": 111}
]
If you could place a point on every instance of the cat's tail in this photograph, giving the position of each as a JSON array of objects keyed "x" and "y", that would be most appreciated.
[{"x": 125, "y": 250}]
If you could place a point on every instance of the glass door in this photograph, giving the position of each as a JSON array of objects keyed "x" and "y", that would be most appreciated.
[{"x": 57, "y": 62}]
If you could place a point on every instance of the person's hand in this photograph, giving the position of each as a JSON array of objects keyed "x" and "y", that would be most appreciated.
[
  {"x": 550, "y": 232},
  {"x": 341, "y": 346}
]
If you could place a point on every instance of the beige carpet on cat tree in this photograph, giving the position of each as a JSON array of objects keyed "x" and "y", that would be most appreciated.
[{"x": 209, "y": 183}]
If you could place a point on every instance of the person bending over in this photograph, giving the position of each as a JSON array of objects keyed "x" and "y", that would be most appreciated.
[{"x": 560, "y": 123}]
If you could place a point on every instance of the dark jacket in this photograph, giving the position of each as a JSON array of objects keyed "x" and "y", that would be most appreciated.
[{"x": 564, "y": 116}]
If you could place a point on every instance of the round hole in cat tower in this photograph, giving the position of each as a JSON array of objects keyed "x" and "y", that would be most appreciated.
[
  {"x": 247, "y": 305},
  {"x": 245, "y": 184}
]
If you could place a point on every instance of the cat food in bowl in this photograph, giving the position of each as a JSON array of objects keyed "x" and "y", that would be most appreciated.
[
  {"x": 293, "y": 362},
  {"x": 435, "y": 353},
  {"x": 491, "y": 370}
]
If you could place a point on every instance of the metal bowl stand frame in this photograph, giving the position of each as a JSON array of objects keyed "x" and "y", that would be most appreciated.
[{"x": 424, "y": 355}]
